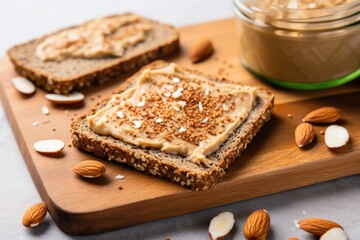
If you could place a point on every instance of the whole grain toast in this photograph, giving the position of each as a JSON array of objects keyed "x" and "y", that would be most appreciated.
[
  {"x": 67, "y": 75},
  {"x": 173, "y": 167}
]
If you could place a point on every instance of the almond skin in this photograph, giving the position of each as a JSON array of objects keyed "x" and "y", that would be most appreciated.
[
  {"x": 323, "y": 115},
  {"x": 201, "y": 50},
  {"x": 304, "y": 134},
  {"x": 89, "y": 169},
  {"x": 257, "y": 225},
  {"x": 34, "y": 215},
  {"x": 317, "y": 226}
]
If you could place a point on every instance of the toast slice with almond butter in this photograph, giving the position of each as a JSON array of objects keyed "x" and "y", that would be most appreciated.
[
  {"x": 175, "y": 123},
  {"x": 94, "y": 52}
]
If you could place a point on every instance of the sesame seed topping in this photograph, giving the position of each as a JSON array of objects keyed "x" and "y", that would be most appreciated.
[
  {"x": 177, "y": 93},
  {"x": 142, "y": 103},
  {"x": 205, "y": 120},
  {"x": 225, "y": 107},
  {"x": 120, "y": 114},
  {"x": 35, "y": 124},
  {"x": 182, "y": 103},
  {"x": 176, "y": 80},
  {"x": 207, "y": 91},
  {"x": 200, "y": 107},
  {"x": 176, "y": 108},
  {"x": 167, "y": 94},
  {"x": 201, "y": 144},
  {"x": 137, "y": 124},
  {"x": 159, "y": 120},
  {"x": 182, "y": 129}
]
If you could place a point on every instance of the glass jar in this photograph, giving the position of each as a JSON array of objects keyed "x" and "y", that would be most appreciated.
[{"x": 309, "y": 48}]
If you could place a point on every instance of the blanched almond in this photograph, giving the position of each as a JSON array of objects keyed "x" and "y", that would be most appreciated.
[
  {"x": 71, "y": 98},
  {"x": 50, "y": 146},
  {"x": 336, "y": 136},
  {"x": 221, "y": 225},
  {"x": 23, "y": 85},
  {"x": 334, "y": 234},
  {"x": 34, "y": 215},
  {"x": 89, "y": 169}
]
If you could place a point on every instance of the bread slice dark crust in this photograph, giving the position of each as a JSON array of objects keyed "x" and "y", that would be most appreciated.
[
  {"x": 170, "y": 166},
  {"x": 101, "y": 70}
]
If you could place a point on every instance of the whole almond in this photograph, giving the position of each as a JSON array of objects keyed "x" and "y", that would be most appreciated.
[
  {"x": 323, "y": 115},
  {"x": 201, "y": 50},
  {"x": 293, "y": 238},
  {"x": 304, "y": 134},
  {"x": 89, "y": 169},
  {"x": 34, "y": 215},
  {"x": 257, "y": 225},
  {"x": 317, "y": 226}
]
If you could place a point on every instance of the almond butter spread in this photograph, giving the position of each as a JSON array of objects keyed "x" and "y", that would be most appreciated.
[
  {"x": 176, "y": 111},
  {"x": 102, "y": 37}
]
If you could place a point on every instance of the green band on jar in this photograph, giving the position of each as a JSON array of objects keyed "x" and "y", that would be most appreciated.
[{"x": 308, "y": 86}]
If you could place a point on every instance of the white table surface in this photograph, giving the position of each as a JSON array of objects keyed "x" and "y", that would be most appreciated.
[{"x": 338, "y": 200}]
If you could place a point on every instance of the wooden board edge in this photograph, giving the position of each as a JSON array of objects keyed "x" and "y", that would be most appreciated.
[{"x": 129, "y": 215}]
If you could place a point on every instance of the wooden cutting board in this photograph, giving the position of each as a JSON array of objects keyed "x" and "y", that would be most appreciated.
[{"x": 272, "y": 162}]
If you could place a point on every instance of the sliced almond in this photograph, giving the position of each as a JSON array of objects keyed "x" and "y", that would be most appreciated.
[
  {"x": 336, "y": 136},
  {"x": 50, "y": 146},
  {"x": 201, "y": 50},
  {"x": 323, "y": 115},
  {"x": 23, "y": 85},
  {"x": 89, "y": 169},
  {"x": 71, "y": 98},
  {"x": 317, "y": 226},
  {"x": 34, "y": 215},
  {"x": 334, "y": 234},
  {"x": 221, "y": 225},
  {"x": 304, "y": 134},
  {"x": 257, "y": 225}
]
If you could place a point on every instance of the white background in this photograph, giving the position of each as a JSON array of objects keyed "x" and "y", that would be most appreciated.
[{"x": 20, "y": 21}]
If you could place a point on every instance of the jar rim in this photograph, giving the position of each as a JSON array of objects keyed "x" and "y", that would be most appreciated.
[{"x": 300, "y": 19}]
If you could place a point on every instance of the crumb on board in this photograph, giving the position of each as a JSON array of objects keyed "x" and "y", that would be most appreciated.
[
  {"x": 120, "y": 187},
  {"x": 45, "y": 110},
  {"x": 119, "y": 176},
  {"x": 289, "y": 115}
]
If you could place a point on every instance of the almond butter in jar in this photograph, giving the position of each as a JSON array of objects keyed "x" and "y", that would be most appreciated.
[{"x": 300, "y": 44}]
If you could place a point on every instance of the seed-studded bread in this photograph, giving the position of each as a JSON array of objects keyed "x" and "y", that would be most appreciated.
[
  {"x": 174, "y": 167},
  {"x": 74, "y": 73}
]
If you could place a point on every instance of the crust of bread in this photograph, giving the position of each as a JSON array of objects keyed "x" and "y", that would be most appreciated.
[
  {"x": 169, "y": 166},
  {"x": 99, "y": 74}
]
